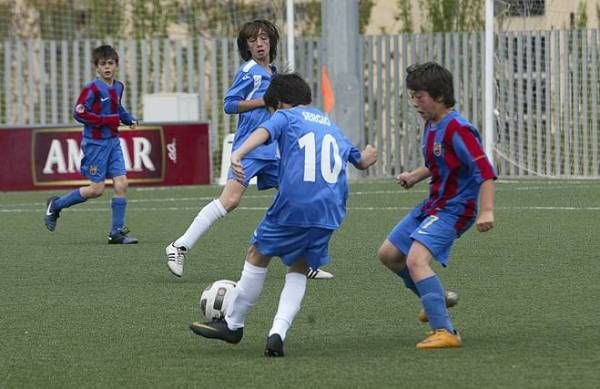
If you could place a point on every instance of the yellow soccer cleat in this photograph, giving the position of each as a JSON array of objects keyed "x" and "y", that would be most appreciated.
[
  {"x": 440, "y": 338},
  {"x": 451, "y": 300}
]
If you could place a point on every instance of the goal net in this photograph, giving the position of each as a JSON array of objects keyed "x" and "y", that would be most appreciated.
[{"x": 547, "y": 90}]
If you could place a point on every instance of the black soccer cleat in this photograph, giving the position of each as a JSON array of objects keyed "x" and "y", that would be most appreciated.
[
  {"x": 217, "y": 329},
  {"x": 120, "y": 237},
  {"x": 274, "y": 347},
  {"x": 51, "y": 216}
]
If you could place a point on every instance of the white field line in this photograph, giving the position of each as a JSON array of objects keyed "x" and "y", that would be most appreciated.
[
  {"x": 203, "y": 199},
  {"x": 505, "y": 186},
  {"x": 197, "y": 209}
]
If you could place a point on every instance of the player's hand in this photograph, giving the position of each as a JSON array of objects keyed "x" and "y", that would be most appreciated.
[
  {"x": 405, "y": 180},
  {"x": 368, "y": 156},
  {"x": 236, "y": 166},
  {"x": 134, "y": 125},
  {"x": 485, "y": 221}
]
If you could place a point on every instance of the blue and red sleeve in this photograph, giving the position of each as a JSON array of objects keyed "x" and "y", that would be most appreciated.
[
  {"x": 124, "y": 115},
  {"x": 468, "y": 149},
  {"x": 89, "y": 112}
]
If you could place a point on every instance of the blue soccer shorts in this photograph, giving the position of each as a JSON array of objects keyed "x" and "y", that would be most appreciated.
[
  {"x": 436, "y": 232},
  {"x": 293, "y": 243},
  {"x": 102, "y": 158},
  {"x": 265, "y": 171}
]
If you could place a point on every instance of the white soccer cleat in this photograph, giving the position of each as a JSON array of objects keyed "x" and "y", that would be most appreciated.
[
  {"x": 318, "y": 274},
  {"x": 175, "y": 259}
]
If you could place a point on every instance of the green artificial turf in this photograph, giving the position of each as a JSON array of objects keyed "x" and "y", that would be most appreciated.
[{"x": 76, "y": 312}]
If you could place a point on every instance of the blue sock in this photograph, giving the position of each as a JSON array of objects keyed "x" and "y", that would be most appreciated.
[
  {"x": 66, "y": 200},
  {"x": 434, "y": 303},
  {"x": 408, "y": 282},
  {"x": 118, "y": 205}
]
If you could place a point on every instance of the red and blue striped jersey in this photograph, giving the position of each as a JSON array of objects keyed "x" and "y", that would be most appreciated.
[
  {"x": 100, "y": 111},
  {"x": 458, "y": 165}
]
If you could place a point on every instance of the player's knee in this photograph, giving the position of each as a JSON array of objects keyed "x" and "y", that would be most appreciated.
[
  {"x": 254, "y": 257},
  {"x": 120, "y": 187},
  {"x": 95, "y": 191},
  {"x": 121, "y": 191},
  {"x": 230, "y": 201},
  {"x": 411, "y": 263},
  {"x": 383, "y": 257},
  {"x": 388, "y": 257},
  {"x": 417, "y": 267}
]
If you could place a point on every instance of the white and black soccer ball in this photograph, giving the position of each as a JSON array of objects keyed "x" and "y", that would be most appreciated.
[{"x": 216, "y": 298}]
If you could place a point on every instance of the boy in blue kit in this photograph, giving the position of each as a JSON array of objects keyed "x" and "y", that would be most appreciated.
[
  {"x": 257, "y": 45},
  {"x": 309, "y": 206},
  {"x": 100, "y": 111},
  {"x": 459, "y": 173}
]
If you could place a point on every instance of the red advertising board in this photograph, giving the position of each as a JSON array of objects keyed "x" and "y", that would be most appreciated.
[{"x": 156, "y": 154}]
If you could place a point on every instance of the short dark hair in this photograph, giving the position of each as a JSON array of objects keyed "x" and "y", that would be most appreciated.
[
  {"x": 432, "y": 78},
  {"x": 104, "y": 52},
  {"x": 287, "y": 88},
  {"x": 250, "y": 30}
]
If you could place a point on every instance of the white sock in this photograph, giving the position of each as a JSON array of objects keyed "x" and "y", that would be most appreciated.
[
  {"x": 248, "y": 290},
  {"x": 289, "y": 303},
  {"x": 211, "y": 212}
]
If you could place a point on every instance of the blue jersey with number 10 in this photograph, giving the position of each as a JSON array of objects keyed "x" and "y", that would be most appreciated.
[{"x": 312, "y": 172}]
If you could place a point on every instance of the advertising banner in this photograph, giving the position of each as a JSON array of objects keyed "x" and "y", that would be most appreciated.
[{"x": 155, "y": 154}]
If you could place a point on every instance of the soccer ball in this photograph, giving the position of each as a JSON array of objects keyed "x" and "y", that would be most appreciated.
[{"x": 216, "y": 298}]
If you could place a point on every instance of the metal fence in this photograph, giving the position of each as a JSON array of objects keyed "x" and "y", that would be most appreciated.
[{"x": 546, "y": 99}]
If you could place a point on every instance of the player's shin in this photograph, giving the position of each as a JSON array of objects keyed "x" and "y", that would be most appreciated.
[
  {"x": 290, "y": 300},
  {"x": 434, "y": 303},
  {"x": 248, "y": 288},
  {"x": 71, "y": 198},
  {"x": 119, "y": 207},
  {"x": 408, "y": 282},
  {"x": 211, "y": 212}
]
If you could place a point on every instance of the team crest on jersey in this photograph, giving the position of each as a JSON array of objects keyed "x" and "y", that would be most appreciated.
[
  {"x": 93, "y": 169},
  {"x": 437, "y": 149},
  {"x": 257, "y": 79}
]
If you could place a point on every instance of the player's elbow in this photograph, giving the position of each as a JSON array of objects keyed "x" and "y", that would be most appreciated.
[
  {"x": 78, "y": 118},
  {"x": 231, "y": 107}
]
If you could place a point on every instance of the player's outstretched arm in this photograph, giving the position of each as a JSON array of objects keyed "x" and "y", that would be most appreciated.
[
  {"x": 485, "y": 220},
  {"x": 257, "y": 138},
  {"x": 408, "y": 179},
  {"x": 367, "y": 157}
]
